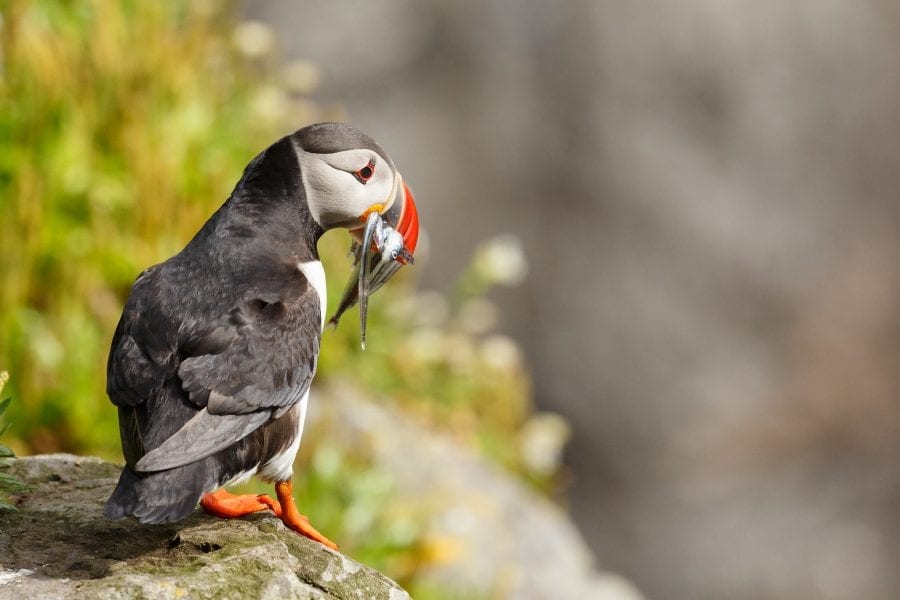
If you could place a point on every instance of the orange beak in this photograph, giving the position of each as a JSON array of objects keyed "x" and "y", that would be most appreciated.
[{"x": 404, "y": 218}]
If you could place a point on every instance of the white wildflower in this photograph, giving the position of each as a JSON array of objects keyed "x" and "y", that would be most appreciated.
[
  {"x": 301, "y": 76},
  {"x": 477, "y": 316},
  {"x": 253, "y": 39},
  {"x": 501, "y": 260},
  {"x": 542, "y": 441},
  {"x": 501, "y": 353}
]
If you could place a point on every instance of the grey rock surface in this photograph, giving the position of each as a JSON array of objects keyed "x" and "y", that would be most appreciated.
[{"x": 59, "y": 545}]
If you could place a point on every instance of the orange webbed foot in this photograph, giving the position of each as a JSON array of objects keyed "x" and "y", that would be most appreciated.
[
  {"x": 291, "y": 517},
  {"x": 225, "y": 505}
]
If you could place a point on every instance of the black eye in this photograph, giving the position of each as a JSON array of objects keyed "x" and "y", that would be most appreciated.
[{"x": 365, "y": 174}]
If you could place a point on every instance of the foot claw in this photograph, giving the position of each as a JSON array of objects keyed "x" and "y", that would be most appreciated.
[{"x": 273, "y": 505}]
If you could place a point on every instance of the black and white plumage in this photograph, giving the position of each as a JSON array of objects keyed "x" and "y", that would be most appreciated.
[{"x": 212, "y": 360}]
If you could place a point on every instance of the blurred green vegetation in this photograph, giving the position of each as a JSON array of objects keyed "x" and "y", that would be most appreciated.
[{"x": 123, "y": 126}]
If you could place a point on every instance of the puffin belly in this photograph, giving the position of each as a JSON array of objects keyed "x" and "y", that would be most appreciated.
[
  {"x": 240, "y": 477},
  {"x": 280, "y": 466}
]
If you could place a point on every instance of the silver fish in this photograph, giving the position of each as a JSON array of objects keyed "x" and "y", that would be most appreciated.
[{"x": 378, "y": 257}]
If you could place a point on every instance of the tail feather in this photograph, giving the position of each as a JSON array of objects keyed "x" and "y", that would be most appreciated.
[
  {"x": 161, "y": 497},
  {"x": 125, "y": 497}
]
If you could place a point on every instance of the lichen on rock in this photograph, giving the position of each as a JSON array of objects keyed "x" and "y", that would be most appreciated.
[{"x": 58, "y": 544}]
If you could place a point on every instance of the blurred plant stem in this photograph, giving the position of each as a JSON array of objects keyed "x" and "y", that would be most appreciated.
[{"x": 8, "y": 483}]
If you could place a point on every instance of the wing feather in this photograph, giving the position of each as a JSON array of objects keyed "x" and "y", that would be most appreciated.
[
  {"x": 202, "y": 436},
  {"x": 142, "y": 354},
  {"x": 267, "y": 363}
]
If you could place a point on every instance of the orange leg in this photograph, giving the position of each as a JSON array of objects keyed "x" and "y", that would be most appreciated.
[
  {"x": 226, "y": 505},
  {"x": 292, "y": 517}
]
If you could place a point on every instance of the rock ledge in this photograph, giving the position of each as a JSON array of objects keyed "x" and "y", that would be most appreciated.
[{"x": 59, "y": 545}]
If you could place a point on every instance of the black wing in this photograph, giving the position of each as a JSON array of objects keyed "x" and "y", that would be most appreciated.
[
  {"x": 254, "y": 364},
  {"x": 143, "y": 352},
  {"x": 239, "y": 370}
]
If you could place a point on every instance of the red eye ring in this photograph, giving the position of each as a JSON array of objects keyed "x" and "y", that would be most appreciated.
[{"x": 366, "y": 173}]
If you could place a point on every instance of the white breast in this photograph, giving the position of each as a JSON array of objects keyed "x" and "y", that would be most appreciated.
[{"x": 315, "y": 274}]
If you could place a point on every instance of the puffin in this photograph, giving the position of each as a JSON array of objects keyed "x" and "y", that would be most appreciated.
[{"x": 211, "y": 362}]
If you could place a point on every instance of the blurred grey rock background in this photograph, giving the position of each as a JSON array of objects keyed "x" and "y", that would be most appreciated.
[
  {"x": 496, "y": 537},
  {"x": 709, "y": 197}
]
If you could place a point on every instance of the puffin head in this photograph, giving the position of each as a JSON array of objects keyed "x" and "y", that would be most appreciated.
[{"x": 347, "y": 176}]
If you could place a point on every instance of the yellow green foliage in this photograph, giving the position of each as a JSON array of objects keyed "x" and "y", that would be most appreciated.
[{"x": 123, "y": 126}]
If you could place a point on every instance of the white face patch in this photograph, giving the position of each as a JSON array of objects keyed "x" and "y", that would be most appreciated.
[
  {"x": 315, "y": 274},
  {"x": 336, "y": 198}
]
